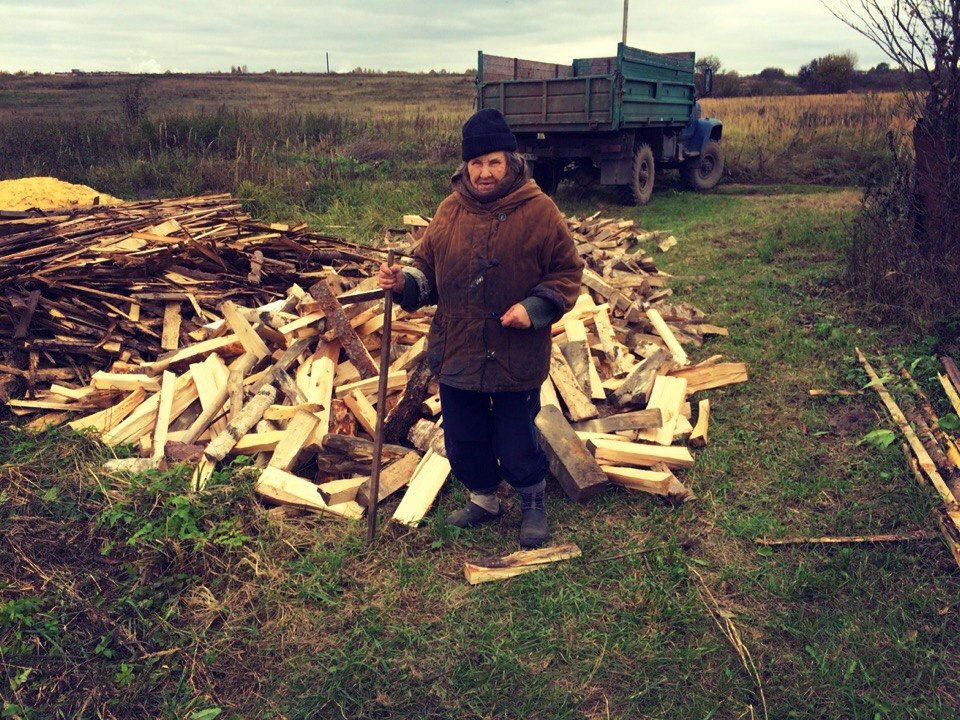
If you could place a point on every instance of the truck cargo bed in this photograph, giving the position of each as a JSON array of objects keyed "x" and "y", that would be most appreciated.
[{"x": 634, "y": 89}]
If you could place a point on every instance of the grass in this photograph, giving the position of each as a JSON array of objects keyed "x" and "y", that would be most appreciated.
[
  {"x": 292, "y": 143},
  {"x": 301, "y": 619}
]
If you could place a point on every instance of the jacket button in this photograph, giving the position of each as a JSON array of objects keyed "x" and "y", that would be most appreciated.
[
  {"x": 493, "y": 313},
  {"x": 491, "y": 354},
  {"x": 501, "y": 217},
  {"x": 494, "y": 262}
]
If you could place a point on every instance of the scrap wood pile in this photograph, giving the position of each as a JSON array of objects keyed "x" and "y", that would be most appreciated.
[
  {"x": 293, "y": 381},
  {"x": 136, "y": 279},
  {"x": 931, "y": 451}
]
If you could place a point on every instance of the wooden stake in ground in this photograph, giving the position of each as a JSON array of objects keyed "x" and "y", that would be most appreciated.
[{"x": 381, "y": 408}]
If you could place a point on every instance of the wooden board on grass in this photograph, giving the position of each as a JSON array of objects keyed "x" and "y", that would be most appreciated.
[{"x": 517, "y": 563}]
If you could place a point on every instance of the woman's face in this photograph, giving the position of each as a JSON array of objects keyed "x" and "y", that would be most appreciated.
[{"x": 487, "y": 170}]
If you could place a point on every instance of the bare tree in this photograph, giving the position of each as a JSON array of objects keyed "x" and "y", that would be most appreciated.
[{"x": 923, "y": 38}]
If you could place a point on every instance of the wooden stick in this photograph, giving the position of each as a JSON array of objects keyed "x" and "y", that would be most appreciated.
[
  {"x": 841, "y": 539},
  {"x": 381, "y": 408}
]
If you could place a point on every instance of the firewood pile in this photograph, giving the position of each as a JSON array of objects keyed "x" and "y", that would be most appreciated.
[{"x": 228, "y": 337}]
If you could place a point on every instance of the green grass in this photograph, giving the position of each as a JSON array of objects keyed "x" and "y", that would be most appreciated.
[{"x": 302, "y": 619}]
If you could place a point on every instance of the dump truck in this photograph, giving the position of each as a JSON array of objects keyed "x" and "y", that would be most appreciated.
[{"x": 613, "y": 120}]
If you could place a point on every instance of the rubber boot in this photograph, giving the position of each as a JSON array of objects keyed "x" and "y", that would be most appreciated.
[
  {"x": 534, "y": 530},
  {"x": 477, "y": 510}
]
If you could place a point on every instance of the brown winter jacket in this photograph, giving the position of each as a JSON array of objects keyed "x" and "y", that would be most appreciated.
[{"x": 476, "y": 261}]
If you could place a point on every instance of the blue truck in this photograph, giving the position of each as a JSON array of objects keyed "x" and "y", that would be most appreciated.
[{"x": 613, "y": 120}]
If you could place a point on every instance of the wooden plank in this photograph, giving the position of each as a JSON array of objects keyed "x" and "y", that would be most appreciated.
[
  {"x": 210, "y": 376},
  {"x": 164, "y": 411},
  {"x": 395, "y": 379},
  {"x": 285, "y": 488},
  {"x": 252, "y": 343},
  {"x": 608, "y": 452},
  {"x": 712, "y": 376},
  {"x": 950, "y": 392},
  {"x": 259, "y": 442},
  {"x": 143, "y": 418},
  {"x": 409, "y": 357},
  {"x": 286, "y": 412},
  {"x": 669, "y": 394},
  {"x": 226, "y": 345},
  {"x": 517, "y": 563},
  {"x": 299, "y": 433},
  {"x": 170, "y": 336},
  {"x": 322, "y": 374},
  {"x": 579, "y": 406},
  {"x": 363, "y": 411},
  {"x": 393, "y": 477},
  {"x": 663, "y": 330},
  {"x": 109, "y": 418},
  {"x": 102, "y": 380},
  {"x": 637, "y": 420},
  {"x": 338, "y": 322},
  {"x": 425, "y": 485},
  {"x": 570, "y": 462}
]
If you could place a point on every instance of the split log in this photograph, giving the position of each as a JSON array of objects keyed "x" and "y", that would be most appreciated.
[
  {"x": 393, "y": 477},
  {"x": 698, "y": 437},
  {"x": 425, "y": 485},
  {"x": 638, "y": 385},
  {"x": 340, "y": 325},
  {"x": 579, "y": 406},
  {"x": 570, "y": 462},
  {"x": 405, "y": 413},
  {"x": 285, "y": 488},
  {"x": 608, "y": 452},
  {"x": 517, "y": 563},
  {"x": 651, "y": 418}
]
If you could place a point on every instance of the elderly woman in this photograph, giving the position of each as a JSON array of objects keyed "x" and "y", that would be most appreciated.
[{"x": 500, "y": 266}]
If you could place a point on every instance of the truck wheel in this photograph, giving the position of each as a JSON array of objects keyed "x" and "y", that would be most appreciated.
[
  {"x": 704, "y": 172},
  {"x": 547, "y": 176},
  {"x": 640, "y": 188}
]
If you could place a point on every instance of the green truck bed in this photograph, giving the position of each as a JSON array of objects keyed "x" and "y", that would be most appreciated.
[{"x": 634, "y": 89}]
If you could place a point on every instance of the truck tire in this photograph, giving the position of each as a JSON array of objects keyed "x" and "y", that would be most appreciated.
[
  {"x": 547, "y": 176},
  {"x": 704, "y": 172},
  {"x": 640, "y": 188}
]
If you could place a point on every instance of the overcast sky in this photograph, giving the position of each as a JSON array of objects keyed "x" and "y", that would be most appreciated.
[{"x": 210, "y": 35}]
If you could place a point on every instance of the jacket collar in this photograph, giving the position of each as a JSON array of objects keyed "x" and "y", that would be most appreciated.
[{"x": 521, "y": 193}]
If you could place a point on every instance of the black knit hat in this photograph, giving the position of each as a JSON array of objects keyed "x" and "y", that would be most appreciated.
[{"x": 486, "y": 132}]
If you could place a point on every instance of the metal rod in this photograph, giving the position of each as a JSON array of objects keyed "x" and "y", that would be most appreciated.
[
  {"x": 381, "y": 410},
  {"x": 626, "y": 5}
]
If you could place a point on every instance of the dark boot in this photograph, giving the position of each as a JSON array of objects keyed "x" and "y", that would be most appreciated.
[
  {"x": 475, "y": 514},
  {"x": 534, "y": 531}
]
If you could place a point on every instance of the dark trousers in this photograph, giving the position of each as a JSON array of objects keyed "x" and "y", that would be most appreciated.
[{"x": 491, "y": 436}]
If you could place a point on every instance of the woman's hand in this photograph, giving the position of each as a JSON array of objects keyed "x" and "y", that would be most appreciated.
[
  {"x": 391, "y": 278},
  {"x": 516, "y": 317}
]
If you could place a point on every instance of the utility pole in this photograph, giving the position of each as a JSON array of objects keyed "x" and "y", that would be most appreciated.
[
  {"x": 328, "y": 62},
  {"x": 626, "y": 5}
]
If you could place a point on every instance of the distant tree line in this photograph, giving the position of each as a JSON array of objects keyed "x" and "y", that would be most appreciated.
[{"x": 832, "y": 73}]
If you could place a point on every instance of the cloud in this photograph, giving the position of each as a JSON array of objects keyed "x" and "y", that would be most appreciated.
[{"x": 747, "y": 35}]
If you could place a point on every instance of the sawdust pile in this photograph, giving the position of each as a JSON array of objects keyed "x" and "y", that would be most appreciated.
[{"x": 47, "y": 193}]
